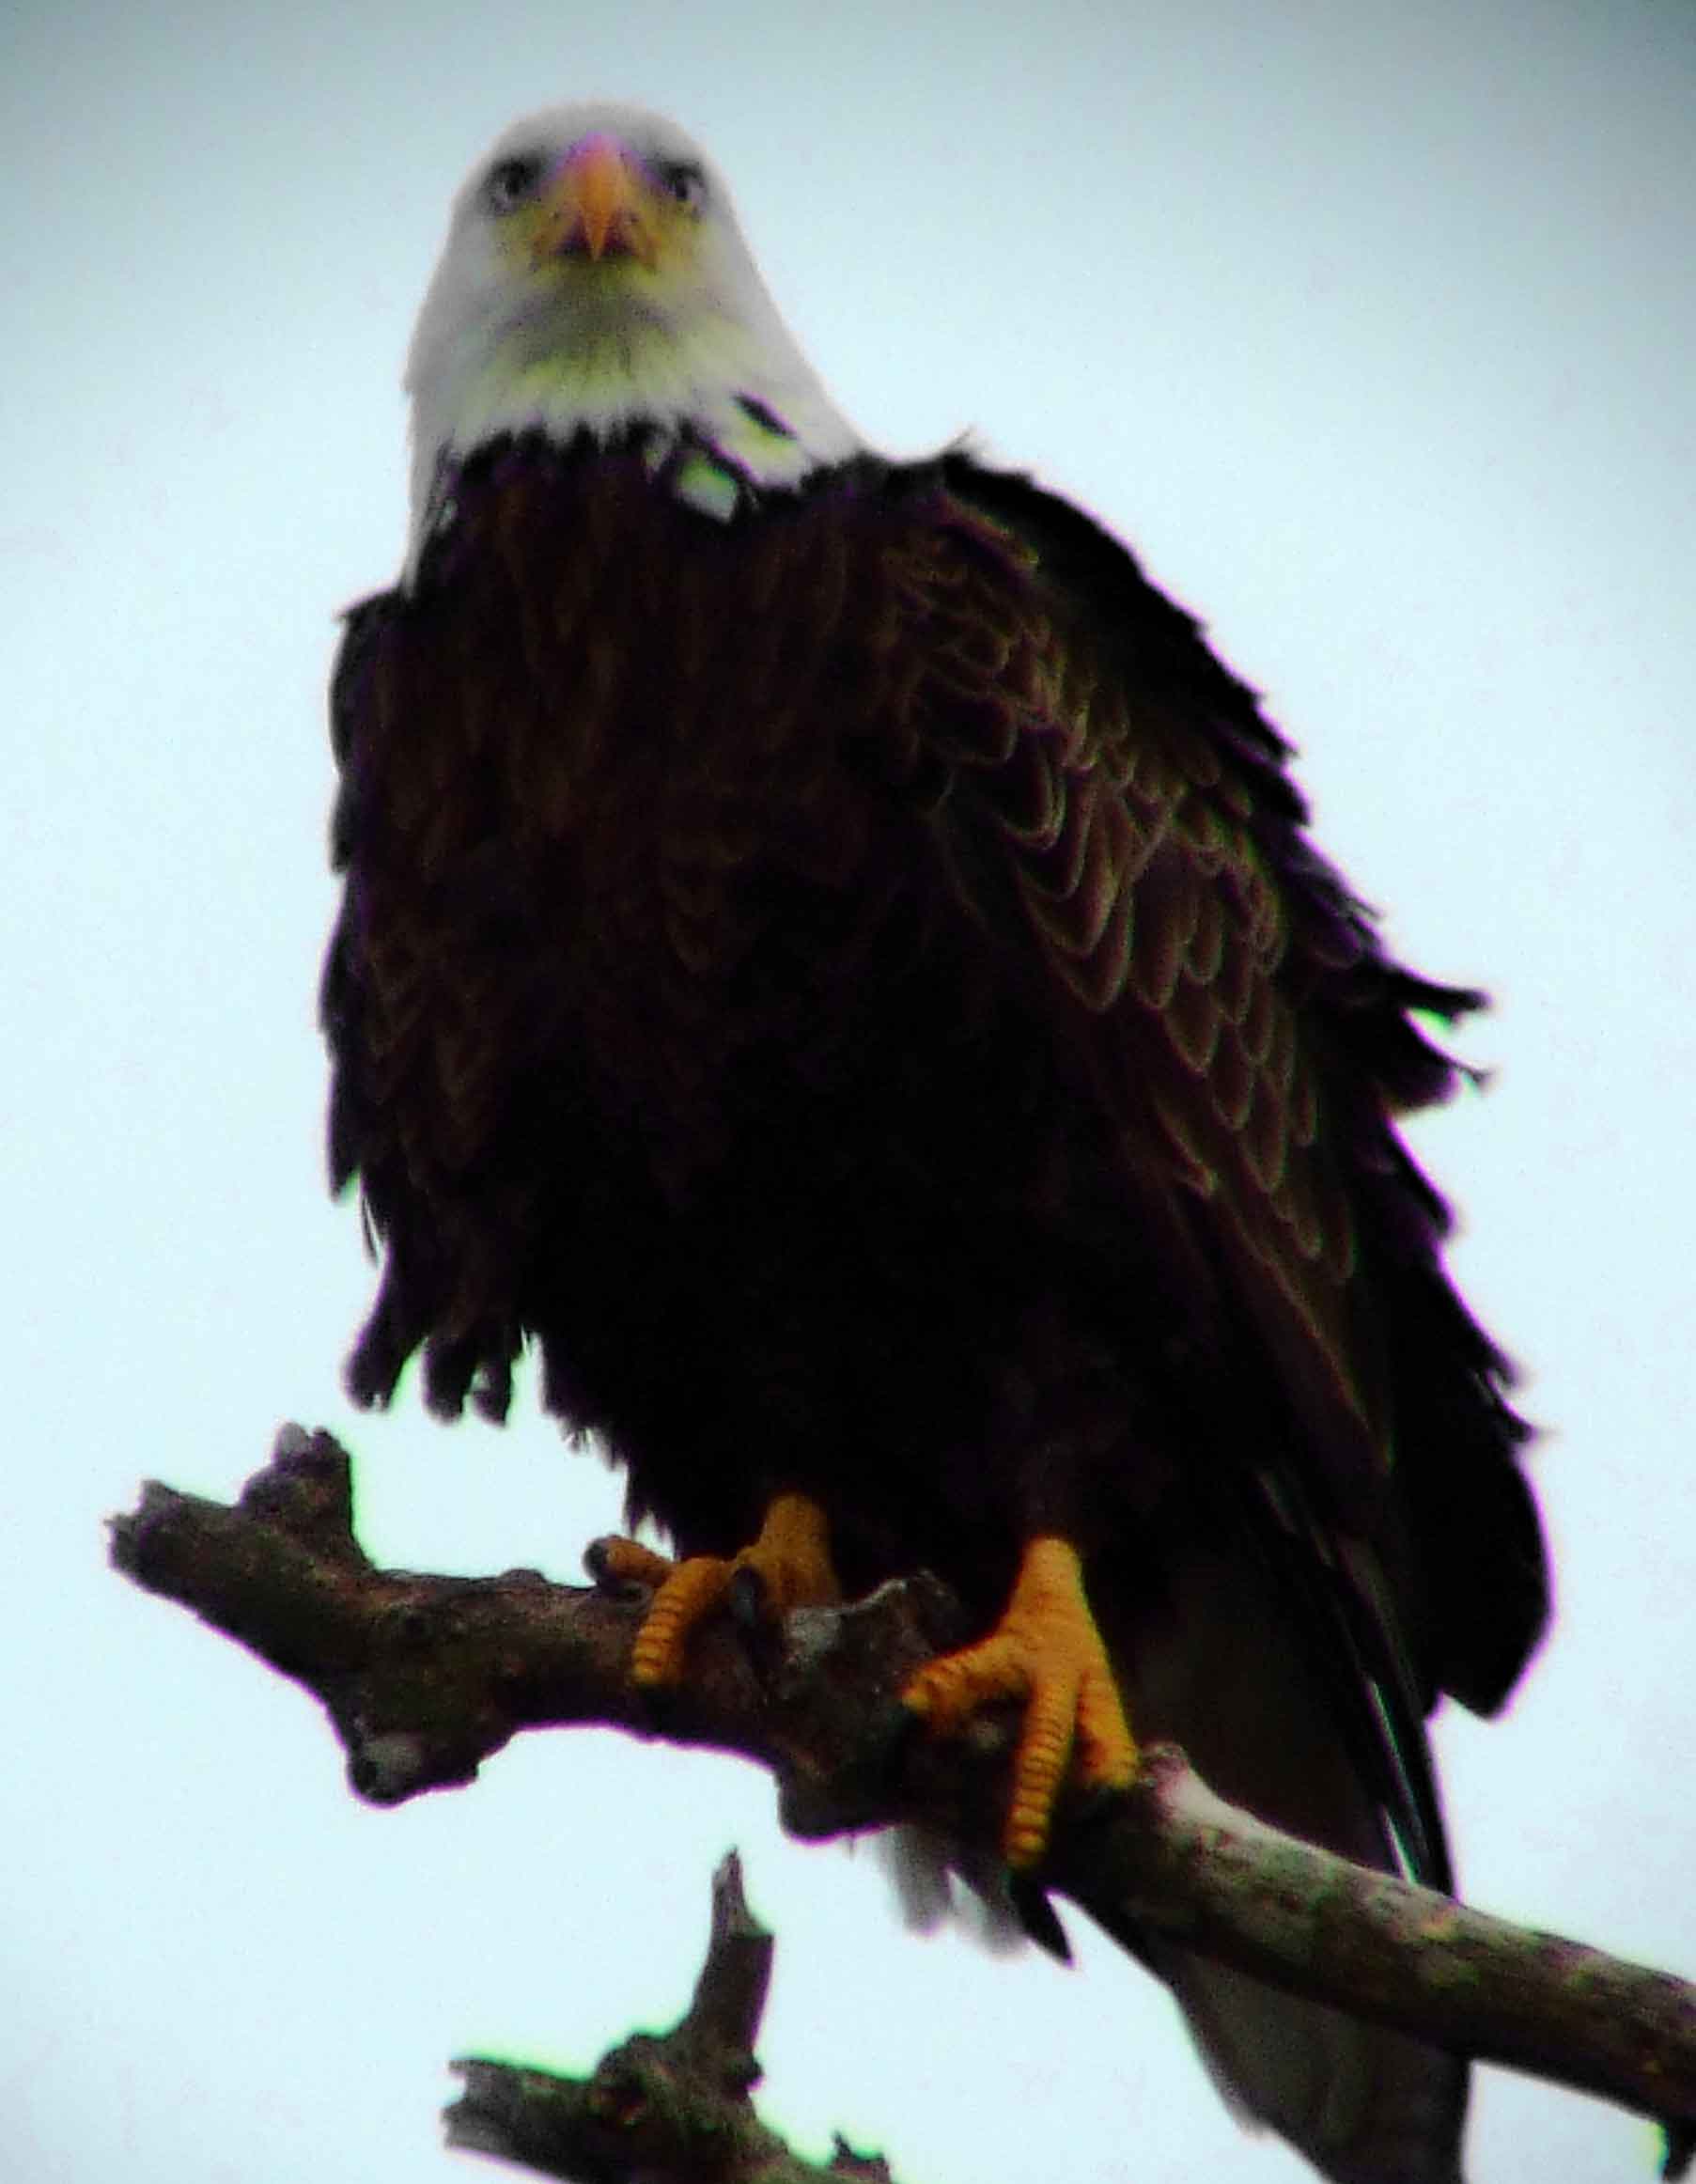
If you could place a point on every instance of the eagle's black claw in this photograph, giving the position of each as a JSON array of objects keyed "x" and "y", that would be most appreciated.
[
  {"x": 594, "y": 1562},
  {"x": 606, "y": 1563},
  {"x": 749, "y": 1599},
  {"x": 891, "y": 1734}
]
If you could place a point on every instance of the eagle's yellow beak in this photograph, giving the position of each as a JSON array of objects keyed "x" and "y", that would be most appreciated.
[{"x": 600, "y": 203}]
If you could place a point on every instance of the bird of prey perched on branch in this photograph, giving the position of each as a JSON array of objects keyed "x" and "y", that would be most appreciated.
[{"x": 831, "y": 958}]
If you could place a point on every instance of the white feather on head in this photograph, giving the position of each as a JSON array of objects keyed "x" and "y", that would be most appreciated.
[{"x": 688, "y": 342}]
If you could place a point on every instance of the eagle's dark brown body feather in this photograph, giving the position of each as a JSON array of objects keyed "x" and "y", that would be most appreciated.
[{"x": 849, "y": 983}]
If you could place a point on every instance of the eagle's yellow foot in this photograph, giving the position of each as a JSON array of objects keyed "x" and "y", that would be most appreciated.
[
  {"x": 791, "y": 1560},
  {"x": 1046, "y": 1650}
]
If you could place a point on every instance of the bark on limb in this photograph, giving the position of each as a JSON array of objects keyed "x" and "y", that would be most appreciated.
[
  {"x": 425, "y": 1678},
  {"x": 672, "y": 2108}
]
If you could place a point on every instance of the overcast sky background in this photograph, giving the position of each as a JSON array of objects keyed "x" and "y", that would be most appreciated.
[{"x": 1372, "y": 326}]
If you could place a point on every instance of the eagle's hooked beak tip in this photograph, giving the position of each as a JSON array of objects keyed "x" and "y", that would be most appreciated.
[{"x": 597, "y": 206}]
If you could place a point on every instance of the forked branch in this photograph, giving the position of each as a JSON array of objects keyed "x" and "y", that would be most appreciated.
[{"x": 671, "y": 2108}]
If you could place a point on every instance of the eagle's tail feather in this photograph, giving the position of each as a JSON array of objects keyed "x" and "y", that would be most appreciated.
[
  {"x": 1364, "y": 2105},
  {"x": 1219, "y": 1668}
]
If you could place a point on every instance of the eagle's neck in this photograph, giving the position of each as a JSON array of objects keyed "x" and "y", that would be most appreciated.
[{"x": 749, "y": 407}]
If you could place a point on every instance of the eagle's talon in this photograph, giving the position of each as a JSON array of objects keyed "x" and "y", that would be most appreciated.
[
  {"x": 788, "y": 1567},
  {"x": 890, "y": 1734},
  {"x": 1097, "y": 1804},
  {"x": 748, "y": 1602},
  {"x": 1046, "y": 1652},
  {"x": 624, "y": 1567}
]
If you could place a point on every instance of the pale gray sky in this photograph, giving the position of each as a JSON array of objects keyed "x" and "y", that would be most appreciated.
[{"x": 1372, "y": 326}]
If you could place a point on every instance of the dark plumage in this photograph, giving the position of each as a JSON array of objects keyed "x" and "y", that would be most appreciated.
[{"x": 847, "y": 981}]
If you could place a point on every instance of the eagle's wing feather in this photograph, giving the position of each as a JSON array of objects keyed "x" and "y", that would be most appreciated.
[{"x": 1114, "y": 807}]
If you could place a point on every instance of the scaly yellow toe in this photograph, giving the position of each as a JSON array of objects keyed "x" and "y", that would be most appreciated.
[
  {"x": 792, "y": 1559},
  {"x": 1046, "y": 1651}
]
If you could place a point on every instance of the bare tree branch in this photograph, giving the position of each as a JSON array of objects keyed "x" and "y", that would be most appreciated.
[
  {"x": 425, "y": 1678},
  {"x": 671, "y": 2108}
]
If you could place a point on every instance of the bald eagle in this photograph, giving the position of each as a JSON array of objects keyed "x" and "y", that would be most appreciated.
[{"x": 832, "y": 959}]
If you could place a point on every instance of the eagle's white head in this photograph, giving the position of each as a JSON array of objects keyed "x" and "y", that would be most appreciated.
[{"x": 595, "y": 277}]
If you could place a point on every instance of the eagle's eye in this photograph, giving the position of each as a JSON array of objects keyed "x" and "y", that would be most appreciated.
[
  {"x": 686, "y": 182},
  {"x": 511, "y": 180}
]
